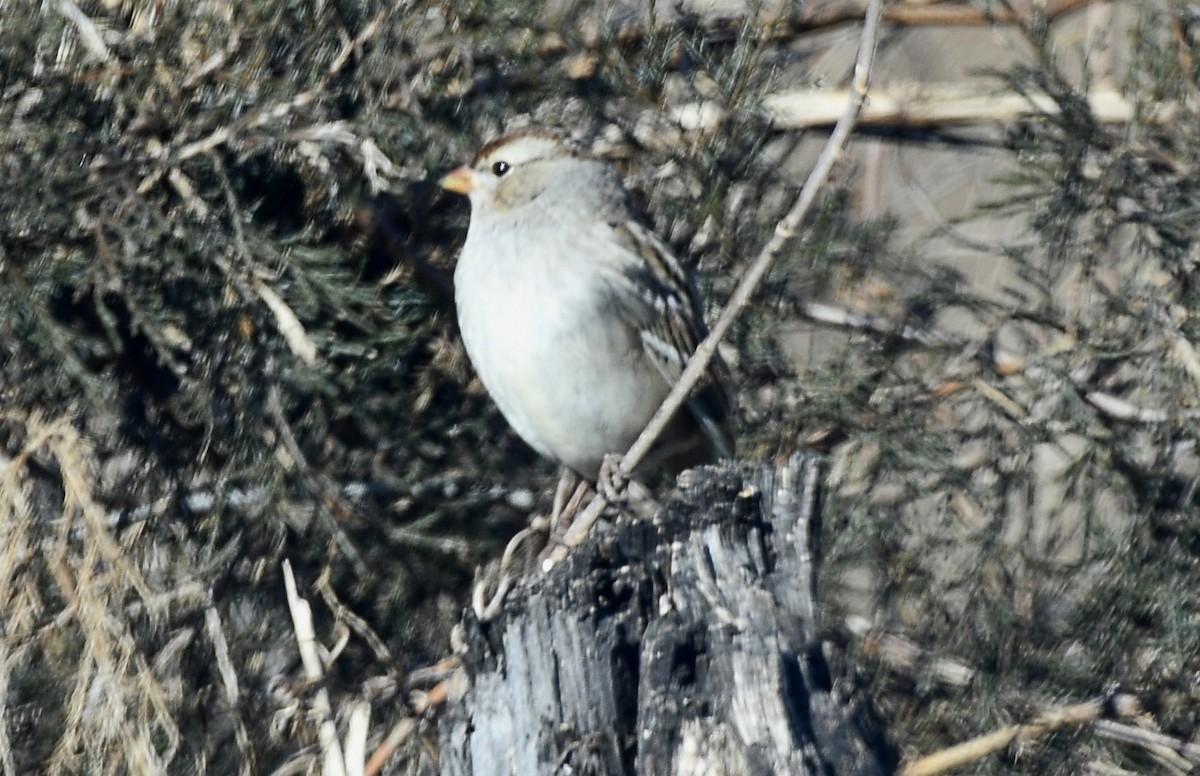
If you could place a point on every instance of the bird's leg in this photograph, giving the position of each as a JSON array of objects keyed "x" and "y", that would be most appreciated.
[
  {"x": 493, "y": 583},
  {"x": 561, "y": 520},
  {"x": 567, "y": 480}
]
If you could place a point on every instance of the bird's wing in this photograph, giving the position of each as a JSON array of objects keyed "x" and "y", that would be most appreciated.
[{"x": 661, "y": 302}]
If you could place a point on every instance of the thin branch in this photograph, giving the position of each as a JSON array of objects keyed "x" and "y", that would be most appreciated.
[
  {"x": 784, "y": 231},
  {"x": 216, "y": 635},
  {"x": 982, "y": 746},
  {"x": 916, "y": 106},
  {"x": 334, "y": 764},
  {"x": 1148, "y": 739},
  {"x": 319, "y": 485},
  {"x": 89, "y": 33},
  {"x": 941, "y": 14},
  {"x": 923, "y": 106},
  {"x": 354, "y": 622},
  {"x": 398, "y": 735},
  {"x": 1095, "y": 712}
]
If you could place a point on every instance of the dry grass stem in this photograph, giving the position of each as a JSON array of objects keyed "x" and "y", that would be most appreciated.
[{"x": 115, "y": 700}]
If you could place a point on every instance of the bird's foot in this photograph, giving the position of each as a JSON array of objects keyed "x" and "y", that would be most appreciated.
[
  {"x": 622, "y": 492},
  {"x": 493, "y": 583},
  {"x": 612, "y": 483}
]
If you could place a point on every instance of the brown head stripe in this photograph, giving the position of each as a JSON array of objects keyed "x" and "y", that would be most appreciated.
[{"x": 548, "y": 134}]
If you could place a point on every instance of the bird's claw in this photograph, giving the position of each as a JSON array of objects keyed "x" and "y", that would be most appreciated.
[{"x": 611, "y": 481}]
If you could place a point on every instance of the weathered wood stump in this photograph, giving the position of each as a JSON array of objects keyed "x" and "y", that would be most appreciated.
[{"x": 685, "y": 644}]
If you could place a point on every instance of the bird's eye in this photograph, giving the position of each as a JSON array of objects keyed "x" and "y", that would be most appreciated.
[{"x": 499, "y": 168}]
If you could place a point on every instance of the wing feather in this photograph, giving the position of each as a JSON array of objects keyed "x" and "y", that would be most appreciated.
[{"x": 666, "y": 310}]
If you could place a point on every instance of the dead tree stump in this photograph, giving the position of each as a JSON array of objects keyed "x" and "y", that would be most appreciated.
[{"x": 685, "y": 644}]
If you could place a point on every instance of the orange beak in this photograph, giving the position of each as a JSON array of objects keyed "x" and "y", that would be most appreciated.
[{"x": 460, "y": 180}]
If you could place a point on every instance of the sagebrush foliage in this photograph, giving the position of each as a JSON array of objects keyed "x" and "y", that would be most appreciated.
[
  {"x": 1099, "y": 594},
  {"x": 223, "y": 264},
  {"x": 197, "y": 194}
]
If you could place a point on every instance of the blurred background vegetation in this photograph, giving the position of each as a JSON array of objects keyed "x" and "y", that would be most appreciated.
[{"x": 226, "y": 339}]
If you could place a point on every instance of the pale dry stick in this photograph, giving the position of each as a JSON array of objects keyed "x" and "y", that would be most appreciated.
[
  {"x": 399, "y": 734},
  {"x": 1011, "y": 407},
  {"x": 288, "y": 324},
  {"x": 906, "y": 657},
  {"x": 924, "y": 105},
  {"x": 306, "y": 641},
  {"x": 89, "y": 33},
  {"x": 1118, "y": 408},
  {"x": 1098, "y": 767},
  {"x": 216, "y": 636},
  {"x": 949, "y": 14},
  {"x": 978, "y": 748},
  {"x": 784, "y": 231},
  {"x": 1148, "y": 739},
  {"x": 832, "y": 315},
  {"x": 356, "y": 739}
]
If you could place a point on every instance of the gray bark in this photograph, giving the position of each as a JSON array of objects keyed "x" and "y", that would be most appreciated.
[{"x": 685, "y": 644}]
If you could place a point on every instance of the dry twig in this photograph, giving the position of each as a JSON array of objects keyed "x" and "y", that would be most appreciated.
[
  {"x": 920, "y": 106},
  {"x": 784, "y": 231},
  {"x": 980, "y": 747},
  {"x": 1150, "y": 740},
  {"x": 334, "y": 764},
  {"x": 1180, "y": 754}
]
